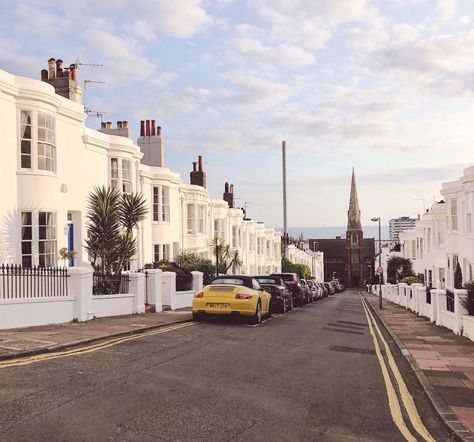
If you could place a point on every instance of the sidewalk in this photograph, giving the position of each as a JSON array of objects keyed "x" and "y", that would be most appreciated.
[
  {"x": 446, "y": 360},
  {"x": 31, "y": 340}
]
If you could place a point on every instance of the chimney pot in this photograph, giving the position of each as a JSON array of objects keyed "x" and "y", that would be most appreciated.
[
  {"x": 66, "y": 73},
  {"x": 44, "y": 74},
  {"x": 73, "y": 69},
  {"x": 226, "y": 187},
  {"x": 52, "y": 68},
  {"x": 142, "y": 128},
  {"x": 119, "y": 125},
  {"x": 147, "y": 128},
  {"x": 124, "y": 124},
  {"x": 153, "y": 130},
  {"x": 232, "y": 188},
  {"x": 194, "y": 166},
  {"x": 200, "y": 163},
  {"x": 103, "y": 125},
  {"x": 158, "y": 131},
  {"x": 109, "y": 124},
  {"x": 59, "y": 70}
]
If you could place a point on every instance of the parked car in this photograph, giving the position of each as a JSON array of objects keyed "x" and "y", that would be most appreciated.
[
  {"x": 315, "y": 290},
  {"x": 330, "y": 287},
  {"x": 308, "y": 297},
  {"x": 320, "y": 287},
  {"x": 282, "y": 300},
  {"x": 292, "y": 281},
  {"x": 325, "y": 287},
  {"x": 232, "y": 295}
]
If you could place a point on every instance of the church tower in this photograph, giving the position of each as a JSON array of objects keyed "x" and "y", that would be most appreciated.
[{"x": 355, "y": 253}]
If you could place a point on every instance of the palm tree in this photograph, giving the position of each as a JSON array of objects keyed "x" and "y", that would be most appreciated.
[
  {"x": 226, "y": 256},
  {"x": 112, "y": 219}
]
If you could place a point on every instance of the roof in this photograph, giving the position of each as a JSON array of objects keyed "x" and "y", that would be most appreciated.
[{"x": 336, "y": 247}]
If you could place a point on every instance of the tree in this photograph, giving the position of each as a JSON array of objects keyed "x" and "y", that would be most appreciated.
[
  {"x": 226, "y": 256},
  {"x": 458, "y": 277},
  {"x": 398, "y": 268},
  {"x": 112, "y": 219},
  {"x": 302, "y": 270}
]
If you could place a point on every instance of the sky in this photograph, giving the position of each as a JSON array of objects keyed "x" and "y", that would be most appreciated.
[{"x": 384, "y": 86}]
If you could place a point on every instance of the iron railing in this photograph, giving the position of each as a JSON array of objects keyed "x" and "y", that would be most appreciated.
[
  {"x": 110, "y": 284},
  {"x": 450, "y": 301},
  {"x": 17, "y": 282}
]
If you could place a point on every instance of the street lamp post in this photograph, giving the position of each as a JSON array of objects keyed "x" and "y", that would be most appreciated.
[{"x": 380, "y": 262}]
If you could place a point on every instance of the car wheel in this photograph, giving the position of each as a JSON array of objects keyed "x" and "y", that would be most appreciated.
[
  {"x": 270, "y": 310},
  {"x": 257, "y": 317}
]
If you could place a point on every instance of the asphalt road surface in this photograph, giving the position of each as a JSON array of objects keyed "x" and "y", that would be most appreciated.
[{"x": 309, "y": 375}]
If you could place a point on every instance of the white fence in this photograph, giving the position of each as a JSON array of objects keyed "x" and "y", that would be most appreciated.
[
  {"x": 79, "y": 303},
  {"x": 432, "y": 304}
]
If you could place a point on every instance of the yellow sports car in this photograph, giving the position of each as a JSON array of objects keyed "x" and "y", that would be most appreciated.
[{"x": 232, "y": 295}]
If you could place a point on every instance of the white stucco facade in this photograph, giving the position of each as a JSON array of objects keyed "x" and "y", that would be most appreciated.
[
  {"x": 51, "y": 162},
  {"x": 444, "y": 235}
]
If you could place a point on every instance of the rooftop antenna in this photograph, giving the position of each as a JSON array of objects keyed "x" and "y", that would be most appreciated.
[
  {"x": 92, "y": 113},
  {"x": 80, "y": 63}
]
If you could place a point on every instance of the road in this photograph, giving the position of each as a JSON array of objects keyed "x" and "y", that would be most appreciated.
[{"x": 311, "y": 375}]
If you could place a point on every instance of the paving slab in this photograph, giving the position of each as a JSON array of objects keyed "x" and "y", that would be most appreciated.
[
  {"x": 33, "y": 340},
  {"x": 446, "y": 360}
]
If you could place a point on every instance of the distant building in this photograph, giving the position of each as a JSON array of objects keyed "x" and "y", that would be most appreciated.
[
  {"x": 398, "y": 225},
  {"x": 349, "y": 259}
]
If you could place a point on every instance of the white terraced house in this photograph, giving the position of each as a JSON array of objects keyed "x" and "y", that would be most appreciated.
[
  {"x": 444, "y": 235},
  {"x": 51, "y": 162}
]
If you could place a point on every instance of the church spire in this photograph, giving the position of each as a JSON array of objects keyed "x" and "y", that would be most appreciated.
[{"x": 353, "y": 214}]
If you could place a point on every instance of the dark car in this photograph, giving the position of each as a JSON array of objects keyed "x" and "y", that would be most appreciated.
[
  {"x": 292, "y": 281},
  {"x": 282, "y": 300}
]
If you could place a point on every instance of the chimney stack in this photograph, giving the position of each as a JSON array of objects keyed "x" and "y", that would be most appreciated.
[
  {"x": 151, "y": 144},
  {"x": 142, "y": 128},
  {"x": 62, "y": 79},
  {"x": 229, "y": 195},
  {"x": 198, "y": 177}
]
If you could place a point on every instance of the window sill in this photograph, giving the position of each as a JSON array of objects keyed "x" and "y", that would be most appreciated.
[
  {"x": 36, "y": 173},
  {"x": 161, "y": 223}
]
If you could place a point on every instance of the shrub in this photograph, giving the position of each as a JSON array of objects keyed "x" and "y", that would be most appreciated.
[{"x": 411, "y": 280}]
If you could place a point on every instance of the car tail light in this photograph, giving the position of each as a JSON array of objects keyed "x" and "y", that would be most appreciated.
[
  {"x": 243, "y": 296},
  {"x": 199, "y": 295}
]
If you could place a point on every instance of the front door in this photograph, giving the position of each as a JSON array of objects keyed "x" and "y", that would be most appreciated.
[{"x": 70, "y": 241}]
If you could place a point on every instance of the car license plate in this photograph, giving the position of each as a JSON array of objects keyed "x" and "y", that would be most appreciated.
[{"x": 218, "y": 305}]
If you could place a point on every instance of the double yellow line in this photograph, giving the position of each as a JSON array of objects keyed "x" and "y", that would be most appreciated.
[
  {"x": 394, "y": 403},
  {"x": 89, "y": 348}
]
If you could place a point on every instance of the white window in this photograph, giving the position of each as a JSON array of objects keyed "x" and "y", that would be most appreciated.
[
  {"x": 47, "y": 239},
  {"x": 454, "y": 215},
  {"x": 37, "y": 141},
  {"x": 200, "y": 227},
  {"x": 46, "y": 143},
  {"x": 156, "y": 204},
  {"x": 27, "y": 239},
  {"x": 165, "y": 204},
  {"x": 114, "y": 173},
  {"x": 126, "y": 176},
  {"x": 156, "y": 252},
  {"x": 191, "y": 218},
  {"x": 25, "y": 139}
]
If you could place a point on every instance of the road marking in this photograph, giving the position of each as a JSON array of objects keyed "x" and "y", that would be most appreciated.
[
  {"x": 407, "y": 399},
  {"x": 88, "y": 349},
  {"x": 394, "y": 404}
]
